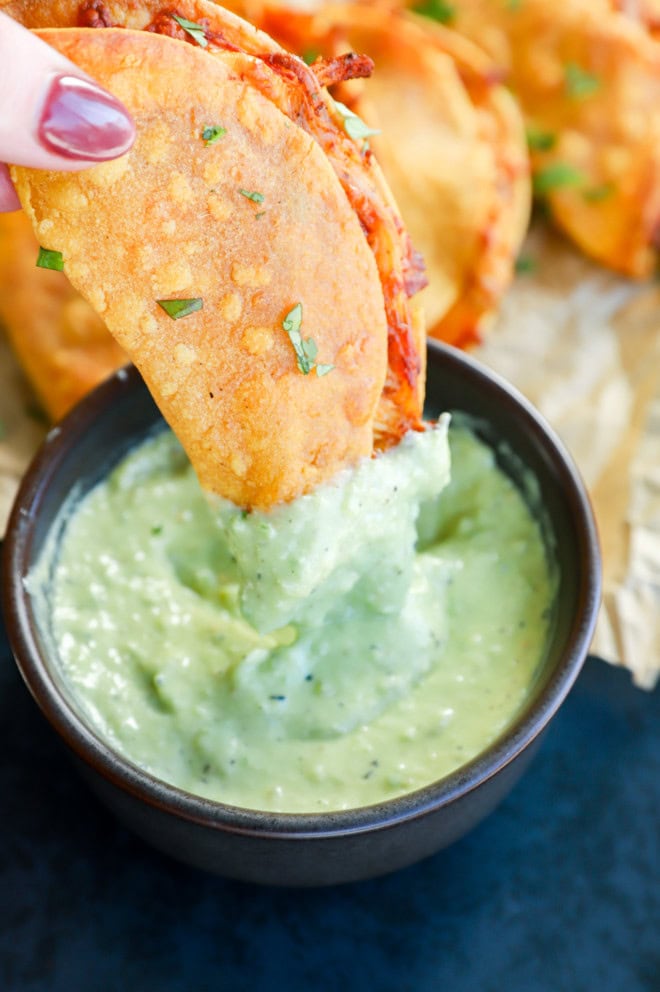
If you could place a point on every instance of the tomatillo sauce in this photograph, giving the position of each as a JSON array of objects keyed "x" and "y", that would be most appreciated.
[{"x": 351, "y": 646}]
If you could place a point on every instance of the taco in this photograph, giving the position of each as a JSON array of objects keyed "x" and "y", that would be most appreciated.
[
  {"x": 587, "y": 77},
  {"x": 246, "y": 253}
]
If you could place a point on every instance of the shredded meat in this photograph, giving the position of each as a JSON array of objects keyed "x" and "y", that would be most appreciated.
[
  {"x": 94, "y": 14},
  {"x": 338, "y": 70}
]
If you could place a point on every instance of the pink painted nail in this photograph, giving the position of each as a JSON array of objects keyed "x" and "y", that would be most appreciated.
[{"x": 81, "y": 121}]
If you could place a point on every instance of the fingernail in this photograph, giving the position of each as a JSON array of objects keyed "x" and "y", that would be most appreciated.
[{"x": 81, "y": 121}]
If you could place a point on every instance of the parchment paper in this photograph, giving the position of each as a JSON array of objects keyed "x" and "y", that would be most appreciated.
[{"x": 584, "y": 345}]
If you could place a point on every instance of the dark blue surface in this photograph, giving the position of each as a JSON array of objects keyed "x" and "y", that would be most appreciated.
[{"x": 558, "y": 890}]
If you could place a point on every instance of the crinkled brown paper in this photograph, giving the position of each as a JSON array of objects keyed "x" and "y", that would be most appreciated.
[{"x": 584, "y": 345}]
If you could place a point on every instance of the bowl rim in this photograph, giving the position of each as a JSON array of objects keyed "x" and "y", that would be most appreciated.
[{"x": 92, "y": 750}]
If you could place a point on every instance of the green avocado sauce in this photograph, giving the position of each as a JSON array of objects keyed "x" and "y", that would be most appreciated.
[{"x": 354, "y": 645}]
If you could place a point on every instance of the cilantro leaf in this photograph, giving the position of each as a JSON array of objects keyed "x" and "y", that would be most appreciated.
[
  {"x": 180, "y": 308},
  {"x": 213, "y": 133},
  {"x": 255, "y": 197},
  {"x": 578, "y": 82},
  {"x": 524, "y": 265},
  {"x": 353, "y": 125},
  {"x": 556, "y": 176},
  {"x": 196, "y": 31},
  {"x": 48, "y": 259},
  {"x": 437, "y": 10},
  {"x": 306, "y": 349},
  {"x": 540, "y": 141}
]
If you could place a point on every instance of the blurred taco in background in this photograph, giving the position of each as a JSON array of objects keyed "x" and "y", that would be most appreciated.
[
  {"x": 587, "y": 76},
  {"x": 63, "y": 346},
  {"x": 448, "y": 136}
]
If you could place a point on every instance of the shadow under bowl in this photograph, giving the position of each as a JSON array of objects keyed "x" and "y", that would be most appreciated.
[{"x": 319, "y": 848}]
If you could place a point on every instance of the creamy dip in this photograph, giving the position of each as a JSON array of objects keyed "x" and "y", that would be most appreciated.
[{"x": 332, "y": 653}]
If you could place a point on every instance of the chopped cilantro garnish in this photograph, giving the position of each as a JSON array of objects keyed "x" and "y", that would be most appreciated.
[
  {"x": 196, "y": 31},
  {"x": 213, "y": 133},
  {"x": 353, "y": 125},
  {"x": 437, "y": 10},
  {"x": 48, "y": 259},
  {"x": 310, "y": 56},
  {"x": 524, "y": 265},
  {"x": 305, "y": 350},
  {"x": 579, "y": 83},
  {"x": 556, "y": 176},
  {"x": 598, "y": 193},
  {"x": 180, "y": 308},
  {"x": 540, "y": 141},
  {"x": 255, "y": 197}
]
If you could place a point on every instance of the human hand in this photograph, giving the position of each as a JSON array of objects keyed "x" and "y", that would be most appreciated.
[{"x": 53, "y": 115}]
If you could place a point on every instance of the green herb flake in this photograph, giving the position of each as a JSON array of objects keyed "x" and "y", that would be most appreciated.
[
  {"x": 437, "y": 10},
  {"x": 540, "y": 141},
  {"x": 48, "y": 259},
  {"x": 180, "y": 308},
  {"x": 305, "y": 349},
  {"x": 524, "y": 265},
  {"x": 513, "y": 4},
  {"x": 556, "y": 176},
  {"x": 579, "y": 83},
  {"x": 596, "y": 194},
  {"x": 353, "y": 125},
  {"x": 213, "y": 133},
  {"x": 255, "y": 197},
  {"x": 157, "y": 529},
  {"x": 196, "y": 31},
  {"x": 260, "y": 214},
  {"x": 310, "y": 56}
]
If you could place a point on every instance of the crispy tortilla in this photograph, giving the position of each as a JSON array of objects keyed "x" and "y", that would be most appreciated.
[
  {"x": 251, "y": 224},
  {"x": 62, "y": 344}
]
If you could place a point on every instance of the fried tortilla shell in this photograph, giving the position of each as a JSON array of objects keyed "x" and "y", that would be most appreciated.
[
  {"x": 285, "y": 80},
  {"x": 62, "y": 344},
  {"x": 451, "y": 143},
  {"x": 588, "y": 80},
  {"x": 248, "y": 225}
]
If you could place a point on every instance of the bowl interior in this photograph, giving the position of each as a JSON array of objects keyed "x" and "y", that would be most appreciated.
[{"x": 120, "y": 413}]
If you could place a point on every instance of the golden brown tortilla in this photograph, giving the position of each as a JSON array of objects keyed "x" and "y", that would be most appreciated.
[{"x": 251, "y": 224}]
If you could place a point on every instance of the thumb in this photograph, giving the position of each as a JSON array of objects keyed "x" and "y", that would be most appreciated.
[{"x": 54, "y": 116}]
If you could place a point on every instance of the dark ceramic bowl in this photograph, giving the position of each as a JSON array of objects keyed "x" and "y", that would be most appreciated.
[{"x": 323, "y": 848}]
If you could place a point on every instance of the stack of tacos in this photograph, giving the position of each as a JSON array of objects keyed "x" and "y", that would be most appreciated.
[{"x": 246, "y": 253}]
